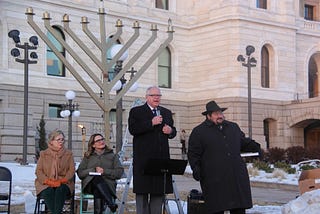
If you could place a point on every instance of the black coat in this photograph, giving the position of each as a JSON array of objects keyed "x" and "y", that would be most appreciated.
[
  {"x": 214, "y": 156},
  {"x": 149, "y": 142}
]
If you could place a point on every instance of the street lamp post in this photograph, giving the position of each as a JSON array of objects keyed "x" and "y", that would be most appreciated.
[
  {"x": 15, "y": 35},
  {"x": 118, "y": 87},
  {"x": 68, "y": 110},
  {"x": 249, "y": 63}
]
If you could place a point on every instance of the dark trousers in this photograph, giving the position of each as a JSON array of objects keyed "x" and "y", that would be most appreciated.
[
  {"x": 183, "y": 149},
  {"x": 149, "y": 203},
  {"x": 54, "y": 197},
  {"x": 102, "y": 194},
  {"x": 234, "y": 211}
]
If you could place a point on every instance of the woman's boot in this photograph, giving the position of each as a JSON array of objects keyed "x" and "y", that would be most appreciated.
[
  {"x": 106, "y": 193},
  {"x": 98, "y": 206}
]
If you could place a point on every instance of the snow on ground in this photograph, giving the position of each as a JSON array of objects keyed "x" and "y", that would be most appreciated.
[{"x": 24, "y": 176}]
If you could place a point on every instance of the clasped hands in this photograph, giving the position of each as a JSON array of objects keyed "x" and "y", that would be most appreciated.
[{"x": 55, "y": 182}]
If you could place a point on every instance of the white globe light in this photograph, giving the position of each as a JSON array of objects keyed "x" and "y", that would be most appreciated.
[
  {"x": 134, "y": 87},
  {"x": 66, "y": 113},
  {"x": 62, "y": 113},
  {"x": 117, "y": 86},
  {"x": 76, "y": 113},
  {"x": 70, "y": 95},
  {"x": 115, "y": 49}
]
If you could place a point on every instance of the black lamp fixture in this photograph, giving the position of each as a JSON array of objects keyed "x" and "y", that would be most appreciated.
[
  {"x": 15, "y": 52},
  {"x": 15, "y": 35},
  {"x": 248, "y": 62}
]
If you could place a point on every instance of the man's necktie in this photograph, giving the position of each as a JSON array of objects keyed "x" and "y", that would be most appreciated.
[{"x": 154, "y": 112}]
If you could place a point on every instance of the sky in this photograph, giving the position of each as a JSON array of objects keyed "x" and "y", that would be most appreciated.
[{"x": 309, "y": 203}]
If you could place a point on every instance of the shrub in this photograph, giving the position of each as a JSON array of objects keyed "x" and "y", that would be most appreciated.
[
  {"x": 295, "y": 154},
  {"x": 253, "y": 171},
  {"x": 261, "y": 165},
  {"x": 265, "y": 155},
  {"x": 285, "y": 166},
  {"x": 279, "y": 173},
  {"x": 276, "y": 154},
  {"x": 307, "y": 167},
  {"x": 313, "y": 153},
  {"x": 42, "y": 137}
]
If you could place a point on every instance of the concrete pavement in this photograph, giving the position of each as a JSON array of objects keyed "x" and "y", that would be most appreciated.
[{"x": 262, "y": 193}]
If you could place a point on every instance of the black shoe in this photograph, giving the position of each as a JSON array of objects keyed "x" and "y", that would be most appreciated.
[{"x": 113, "y": 207}]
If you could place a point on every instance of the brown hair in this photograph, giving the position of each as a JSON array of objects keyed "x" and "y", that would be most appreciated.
[{"x": 90, "y": 145}]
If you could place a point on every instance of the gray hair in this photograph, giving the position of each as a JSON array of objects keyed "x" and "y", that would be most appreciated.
[
  {"x": 54, "y": 134},
  {"x": 152, "y": 87}
]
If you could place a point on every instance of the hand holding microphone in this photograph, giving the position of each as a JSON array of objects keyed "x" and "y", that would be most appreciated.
[{"x": 156, "y": 120}]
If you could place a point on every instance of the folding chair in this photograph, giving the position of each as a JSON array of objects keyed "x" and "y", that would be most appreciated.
[
  {"x": 84, "y": 209},
  {"x": 41, "y": 208},
  {"x": 5, "y": 188}
]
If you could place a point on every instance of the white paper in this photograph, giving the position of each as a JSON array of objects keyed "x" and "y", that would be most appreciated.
[
  {"x": 94, "y": 173},
  {"x": 250, "y": 154}
]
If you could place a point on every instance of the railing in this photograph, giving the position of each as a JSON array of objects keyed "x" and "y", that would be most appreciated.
[{"x": 308, "y": 25}]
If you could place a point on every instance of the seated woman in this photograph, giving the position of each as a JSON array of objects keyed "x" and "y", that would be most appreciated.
[
  {"x": 54, "y": 173},
  {"x": 100, "y": 159}
]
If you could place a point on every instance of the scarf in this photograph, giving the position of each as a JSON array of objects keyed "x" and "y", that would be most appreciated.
[{"x": 56, "y": 155}]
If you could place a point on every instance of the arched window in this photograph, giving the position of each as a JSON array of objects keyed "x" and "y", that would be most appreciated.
[
  {"x": 265, "y": 68},
  {"x": 313, "y": 78},
  {"x": 55, "y": 67},
  {"x": 164, "y": 69}
]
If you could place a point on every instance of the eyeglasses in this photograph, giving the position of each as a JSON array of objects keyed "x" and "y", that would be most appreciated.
[
  {"x": 155, "y": 95},
  {"x": 61, "y": 140},
  {"x": 99, "y": 140}
]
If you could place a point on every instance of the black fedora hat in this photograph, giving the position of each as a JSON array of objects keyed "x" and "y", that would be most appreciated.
[{"x": 212, "y": 106}]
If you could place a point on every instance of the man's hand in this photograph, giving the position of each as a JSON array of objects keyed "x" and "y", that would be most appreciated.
[
  {"x": 166, "y": 129},
  {"x": 156, "y": 120}
]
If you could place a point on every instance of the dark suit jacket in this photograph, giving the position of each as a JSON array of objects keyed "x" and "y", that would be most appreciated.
[{"x": 149, "y": 142}]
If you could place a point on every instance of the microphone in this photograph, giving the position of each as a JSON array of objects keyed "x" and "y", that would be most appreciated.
[{"x": 158, "y": 111}]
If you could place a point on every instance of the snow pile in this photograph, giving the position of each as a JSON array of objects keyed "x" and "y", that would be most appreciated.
[{"x": 308, "y": 202}]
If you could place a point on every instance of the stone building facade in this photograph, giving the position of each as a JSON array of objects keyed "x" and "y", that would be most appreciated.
[{"x": 208, "y": 37}]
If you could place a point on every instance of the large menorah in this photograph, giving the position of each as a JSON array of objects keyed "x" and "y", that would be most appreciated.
[{"x": 103, "y": 45}]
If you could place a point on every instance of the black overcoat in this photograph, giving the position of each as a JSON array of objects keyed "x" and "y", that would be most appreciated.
[
  {"x": 215, "y": 158},
  {"x": 149, "y": 142}
]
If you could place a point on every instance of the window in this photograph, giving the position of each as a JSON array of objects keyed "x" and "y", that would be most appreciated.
[
  {"x": 266, "y": 132},
  {"x": 308, "y": 12},
  {"x": 164, "y": 69},
  {"x": 313, "y": 78},
  {"x": 162, "y": 4},
  {"x": 55, "y": 67},
  {"x": 112, "y": 115},
  {"x": 54, "y": 110},
  {"x": 265, "y": 74},
  {"x": 262, "y": 4}
]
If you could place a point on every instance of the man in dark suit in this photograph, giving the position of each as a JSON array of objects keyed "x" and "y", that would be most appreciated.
[{"x": 151, "y": 126}]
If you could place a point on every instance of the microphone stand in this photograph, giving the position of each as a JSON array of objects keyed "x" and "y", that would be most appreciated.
[{"x": 164, "y": 198}]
